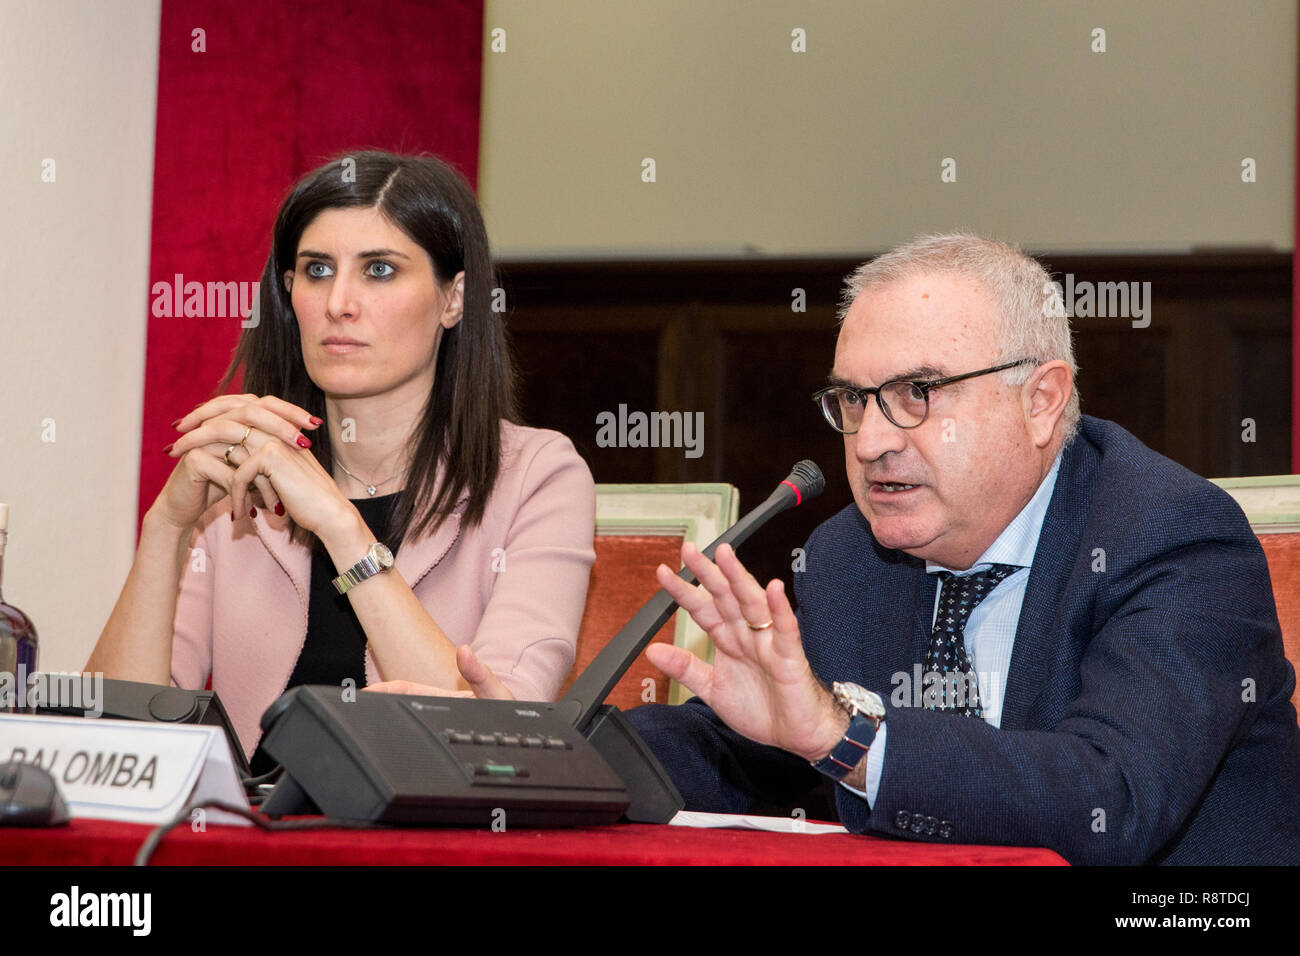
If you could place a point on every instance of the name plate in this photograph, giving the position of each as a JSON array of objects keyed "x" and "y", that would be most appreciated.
[{"x": 127, "y": 770}]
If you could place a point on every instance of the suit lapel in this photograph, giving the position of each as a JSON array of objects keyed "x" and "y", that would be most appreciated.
[
  {"x": 923, "y": 614},
  {"x": 295, "y": 561},
  {"x": 416, "y": 559},
  {"x": 1037, "y": 646},
  {"x": 896, "y": 632}
]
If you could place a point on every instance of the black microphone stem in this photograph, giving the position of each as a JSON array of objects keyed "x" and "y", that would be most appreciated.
[{"x": 593, "y": 685}]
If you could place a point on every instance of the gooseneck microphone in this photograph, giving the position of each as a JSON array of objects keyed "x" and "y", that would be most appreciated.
[{"x": 589, "y": 691}]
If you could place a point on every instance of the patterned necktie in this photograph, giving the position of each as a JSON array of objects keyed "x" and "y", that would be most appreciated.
[{"x": 946, "y": 654}]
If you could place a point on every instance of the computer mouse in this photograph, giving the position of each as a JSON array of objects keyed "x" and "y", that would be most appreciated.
[{"x": 30, "y": 797}]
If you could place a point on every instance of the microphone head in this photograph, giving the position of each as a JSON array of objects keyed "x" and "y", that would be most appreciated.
[{"x": 808, "y": 478}]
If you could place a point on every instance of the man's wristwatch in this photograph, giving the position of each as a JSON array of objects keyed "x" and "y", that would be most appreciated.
[
  {"x": 377, "y": 559},
  {"x": 866, "y": 713}
]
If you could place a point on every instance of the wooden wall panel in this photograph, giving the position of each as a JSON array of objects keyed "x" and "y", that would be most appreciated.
[
  {"x": 721, "y": 338},
  {"x": 1122, "y": 377}
]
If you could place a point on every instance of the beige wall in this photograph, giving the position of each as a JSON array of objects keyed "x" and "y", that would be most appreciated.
[
  {"x": 838, "y": 149},
  {"x": 77, "y": 85}
]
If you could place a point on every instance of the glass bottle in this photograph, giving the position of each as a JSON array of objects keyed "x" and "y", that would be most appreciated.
[{"x": 18, "y": 642}]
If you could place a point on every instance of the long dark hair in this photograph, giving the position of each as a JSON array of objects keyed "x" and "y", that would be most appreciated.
[{"x": 474, "y": 379}]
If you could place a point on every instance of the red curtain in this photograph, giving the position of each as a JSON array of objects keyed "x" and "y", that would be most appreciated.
[{"x": 250, "y": 96}]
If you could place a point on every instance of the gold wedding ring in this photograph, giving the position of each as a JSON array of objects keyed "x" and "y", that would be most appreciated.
[
  {"x": 240, "y": 444},
  {"x": 760, "y": 627}
]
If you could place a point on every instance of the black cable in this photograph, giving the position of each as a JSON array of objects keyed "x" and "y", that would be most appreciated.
[
  {"x": 253, "y": 786},
  {"x": 252, "y": 783},
  {"x": 156, "y": 835}
]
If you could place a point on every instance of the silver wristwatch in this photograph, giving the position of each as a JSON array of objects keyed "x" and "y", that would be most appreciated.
[
  {"x": 866, "y": 713},
  {"x": 858, "y": 700},
  {"x": 377, "y": 559}
]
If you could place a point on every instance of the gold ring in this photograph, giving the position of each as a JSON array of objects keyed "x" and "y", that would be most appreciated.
[
  {"x": 247, "y": 431},
  {"x": 227, "y": 456},
  {"x": 760, "y": 627}
]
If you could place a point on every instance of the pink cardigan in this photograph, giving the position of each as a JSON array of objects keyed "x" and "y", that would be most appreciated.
[{"x": 513, "y": 588}]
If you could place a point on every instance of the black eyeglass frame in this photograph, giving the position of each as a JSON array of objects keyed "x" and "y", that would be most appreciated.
[{"x": 925, "y": 387}]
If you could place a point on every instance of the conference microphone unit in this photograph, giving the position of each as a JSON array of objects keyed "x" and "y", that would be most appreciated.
[
  {"x": 155, "y": 703},
  {"x": 446, "y": 760}
]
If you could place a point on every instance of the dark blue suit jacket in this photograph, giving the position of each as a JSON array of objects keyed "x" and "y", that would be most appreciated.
[{"x": 1147, "y": 714}]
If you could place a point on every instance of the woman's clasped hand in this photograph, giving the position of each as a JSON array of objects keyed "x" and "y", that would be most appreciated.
[{"x": 236, "y": 441}]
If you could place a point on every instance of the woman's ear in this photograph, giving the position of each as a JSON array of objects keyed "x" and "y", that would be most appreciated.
[
  {"x": 454, "y": 310},
  {"x": 288, "y": 282}
]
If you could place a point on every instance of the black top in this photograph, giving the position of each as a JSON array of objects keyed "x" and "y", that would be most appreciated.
[{"x": 335, "y": 647}]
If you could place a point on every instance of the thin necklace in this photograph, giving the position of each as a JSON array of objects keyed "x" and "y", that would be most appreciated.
[{"x": 370, "y": 489}]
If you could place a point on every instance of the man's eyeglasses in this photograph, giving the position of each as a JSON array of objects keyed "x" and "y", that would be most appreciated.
[{"x": 905, "y": 403}]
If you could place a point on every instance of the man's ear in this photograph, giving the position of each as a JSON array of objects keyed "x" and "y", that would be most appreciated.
[
  {"x": 454, "y": 309},
  {"x": 1046, "y": 394}
]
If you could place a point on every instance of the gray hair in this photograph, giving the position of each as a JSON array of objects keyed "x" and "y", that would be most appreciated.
[{"x": 1034, "y": 323}]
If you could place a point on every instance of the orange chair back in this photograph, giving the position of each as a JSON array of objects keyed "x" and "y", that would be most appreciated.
[
  {"x": 623, "y": 579},
  {"x": 1283, "y": 553}
]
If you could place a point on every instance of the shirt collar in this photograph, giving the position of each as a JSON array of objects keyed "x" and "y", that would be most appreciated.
[{"x": 1019, "y": 540}]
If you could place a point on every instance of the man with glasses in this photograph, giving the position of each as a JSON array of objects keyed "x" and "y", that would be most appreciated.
[{"x": 1028, "y": 629}]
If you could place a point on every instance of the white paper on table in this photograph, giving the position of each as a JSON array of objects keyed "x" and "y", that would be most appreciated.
[{"x": 736, "y": 821}]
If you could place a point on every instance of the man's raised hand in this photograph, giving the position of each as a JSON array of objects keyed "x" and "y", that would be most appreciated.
[{"x": 760, "y": 682}]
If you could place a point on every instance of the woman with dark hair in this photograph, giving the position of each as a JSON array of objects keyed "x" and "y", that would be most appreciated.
[{"x": 378, "y": 419}]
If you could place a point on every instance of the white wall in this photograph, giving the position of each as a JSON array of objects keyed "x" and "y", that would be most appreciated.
[
  {"x": 837, "y": 150},
  {"x": 78, "y": 82}
]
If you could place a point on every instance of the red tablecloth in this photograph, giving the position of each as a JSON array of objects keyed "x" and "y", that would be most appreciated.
[{"x": 101, "y": 842}]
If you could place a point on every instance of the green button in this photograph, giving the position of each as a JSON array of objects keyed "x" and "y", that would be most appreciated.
[{"x": 500, "y": 770}]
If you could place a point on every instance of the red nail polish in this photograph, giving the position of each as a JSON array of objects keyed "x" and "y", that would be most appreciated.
[
  {"x": 176, "y": 424},
  {"x": 168, "y": 449},
  {"x": 304, "y": 442},
  {"x": 232, "y": 514},
  {"x": 252, "y": 512},
  {"x": 317, "y": 421},
  {"x": 279, "y": 508}
]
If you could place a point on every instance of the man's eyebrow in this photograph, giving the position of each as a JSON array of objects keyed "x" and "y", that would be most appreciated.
[
  {"x": 368, "y": 254},
  {"x": 838, "y": 380},
  {"x": 920, "y": 373}
]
